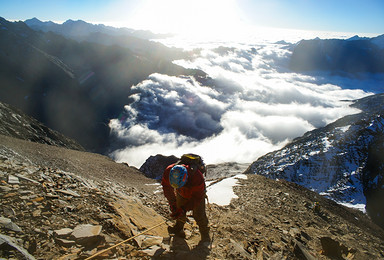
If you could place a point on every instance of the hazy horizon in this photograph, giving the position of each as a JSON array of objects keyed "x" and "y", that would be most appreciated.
[{"x": 200, "y": 17}]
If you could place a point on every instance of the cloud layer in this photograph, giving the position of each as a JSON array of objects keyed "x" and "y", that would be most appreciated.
[{"x": 253, "y": 106}]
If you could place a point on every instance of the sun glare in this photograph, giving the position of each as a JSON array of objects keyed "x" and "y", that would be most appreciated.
[{"x": 199, "y": 18}]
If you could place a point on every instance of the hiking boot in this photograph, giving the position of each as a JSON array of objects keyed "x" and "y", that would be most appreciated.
[
  {"x": 205, "y": 238},
  {"x": 177, "y": 230}
]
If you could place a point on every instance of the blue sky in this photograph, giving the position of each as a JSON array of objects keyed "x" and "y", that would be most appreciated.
[{"x": 365, "y": 16}]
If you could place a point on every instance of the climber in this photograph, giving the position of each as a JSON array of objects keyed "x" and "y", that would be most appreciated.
[{"x": 184, "y": 188}]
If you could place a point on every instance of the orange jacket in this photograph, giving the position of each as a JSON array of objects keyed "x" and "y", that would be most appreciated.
[{"x": 193, "y": 190}]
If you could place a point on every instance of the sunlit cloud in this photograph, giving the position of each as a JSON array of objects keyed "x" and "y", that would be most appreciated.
[{"x": 254, "y": 106}]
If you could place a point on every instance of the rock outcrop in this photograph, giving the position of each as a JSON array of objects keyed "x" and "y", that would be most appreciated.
[
  {"x": 154, "y": 166},
  {"x": 15, "y": 123},
  {"x": 334, "y": 160}
]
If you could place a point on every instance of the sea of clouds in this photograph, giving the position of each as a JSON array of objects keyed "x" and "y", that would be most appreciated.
[{"x": 253, "y": 105}]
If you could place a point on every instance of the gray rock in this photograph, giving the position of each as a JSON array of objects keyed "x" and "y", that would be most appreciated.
[
  {"x": 9, "y": 211},
  {"x": 5, "y": 188},
  {"x": 10, "y": 241},
  {"x": 13, "y": 180},
  {"x": 154, "y": 166},
  {"x": 27, "y": 179},
  {"x": 69, "y": 192},
  {"x": 8, "y": 224}
]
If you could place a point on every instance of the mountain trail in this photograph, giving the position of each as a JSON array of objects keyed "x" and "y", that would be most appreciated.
[{"x": 65, "y": 204}]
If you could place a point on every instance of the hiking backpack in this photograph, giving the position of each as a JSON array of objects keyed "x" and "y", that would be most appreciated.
[{"x": 194, "y": 161}]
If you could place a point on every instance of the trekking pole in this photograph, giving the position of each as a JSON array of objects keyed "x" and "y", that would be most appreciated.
[
  {"x": 210, "y": 217},
  {"x": 109, "y": 248}
]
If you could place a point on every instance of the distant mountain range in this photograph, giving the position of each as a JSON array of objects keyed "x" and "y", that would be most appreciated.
[
  {"x": 354, "y": 55},
  {"x": 80, "y": 29},
  {"x": 77, "y": 87},
  {"x": 343, "y": 160}
]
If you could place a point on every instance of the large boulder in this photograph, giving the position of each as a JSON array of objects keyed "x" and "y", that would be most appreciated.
[{"x": 154, "y": 166}]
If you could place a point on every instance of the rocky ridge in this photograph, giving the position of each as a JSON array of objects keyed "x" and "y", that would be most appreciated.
[
  {"x": 57, "y": 209},
  {"x": 19, "y": 125},
  {"x": 333, "y": 160}
]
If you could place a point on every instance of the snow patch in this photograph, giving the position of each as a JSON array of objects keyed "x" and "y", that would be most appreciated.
[
  {"x": 343, "y": 128},
  {"x": 360, "y": 207},
  {"x": 221, "y": 193},
  {"x": 327, "y": 144}
]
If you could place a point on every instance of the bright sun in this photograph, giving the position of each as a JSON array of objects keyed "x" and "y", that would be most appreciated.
[{"x": 200, "y": 18}]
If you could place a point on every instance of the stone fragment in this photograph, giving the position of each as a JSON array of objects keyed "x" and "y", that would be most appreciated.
[
  {"x": 133, "y": 216},
  {"x": 147, "y": 241},
  {"x": 11, "y": 242},
  {"x": 301, "y": 252},
  {"x": 9, "y": 212},
  {"x": 153, "y": 251},
  {"x": 51, "y": 196},
  {"x": 8, "y": 224},
  {"x": 25, "y": 192},
  {"x": 38, "y": 199},
  {"x": 12, "y": 194},
  {"x": 65, "y": 242},
  {"x": 62, "y": 233},
  {"x": 5, "y": 188},
  {"x": 27, "y": 179},
  {"x": 13, "y": 179},
  {"x": 87, "y": 234},
  {"x": 36, "y": 213},
  {"x": 332, "y": 248},
  {"x": 239, "y": 248},
  {"x": 69, "y": 192},
  {"x": 294, "y": 231}
]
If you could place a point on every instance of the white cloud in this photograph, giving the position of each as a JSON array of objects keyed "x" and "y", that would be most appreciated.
[{"x": 254, "y": 106}]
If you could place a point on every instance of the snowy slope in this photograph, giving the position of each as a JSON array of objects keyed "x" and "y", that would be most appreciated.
[{"x": 332, "y": 160}]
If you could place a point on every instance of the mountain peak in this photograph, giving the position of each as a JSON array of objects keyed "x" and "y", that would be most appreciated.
[
  {"x": 35, "y": 22},
  {"x": 70, "y": 21}
]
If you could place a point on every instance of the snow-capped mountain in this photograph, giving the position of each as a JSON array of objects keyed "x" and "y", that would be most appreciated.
[{"x": 343, "y": 160}]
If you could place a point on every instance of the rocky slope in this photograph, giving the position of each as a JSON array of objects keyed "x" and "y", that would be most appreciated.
[
  {"x": 15, "y": 123},
  {"x": 66, "y": 204},
  {"x": 333, "y": 160}
]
